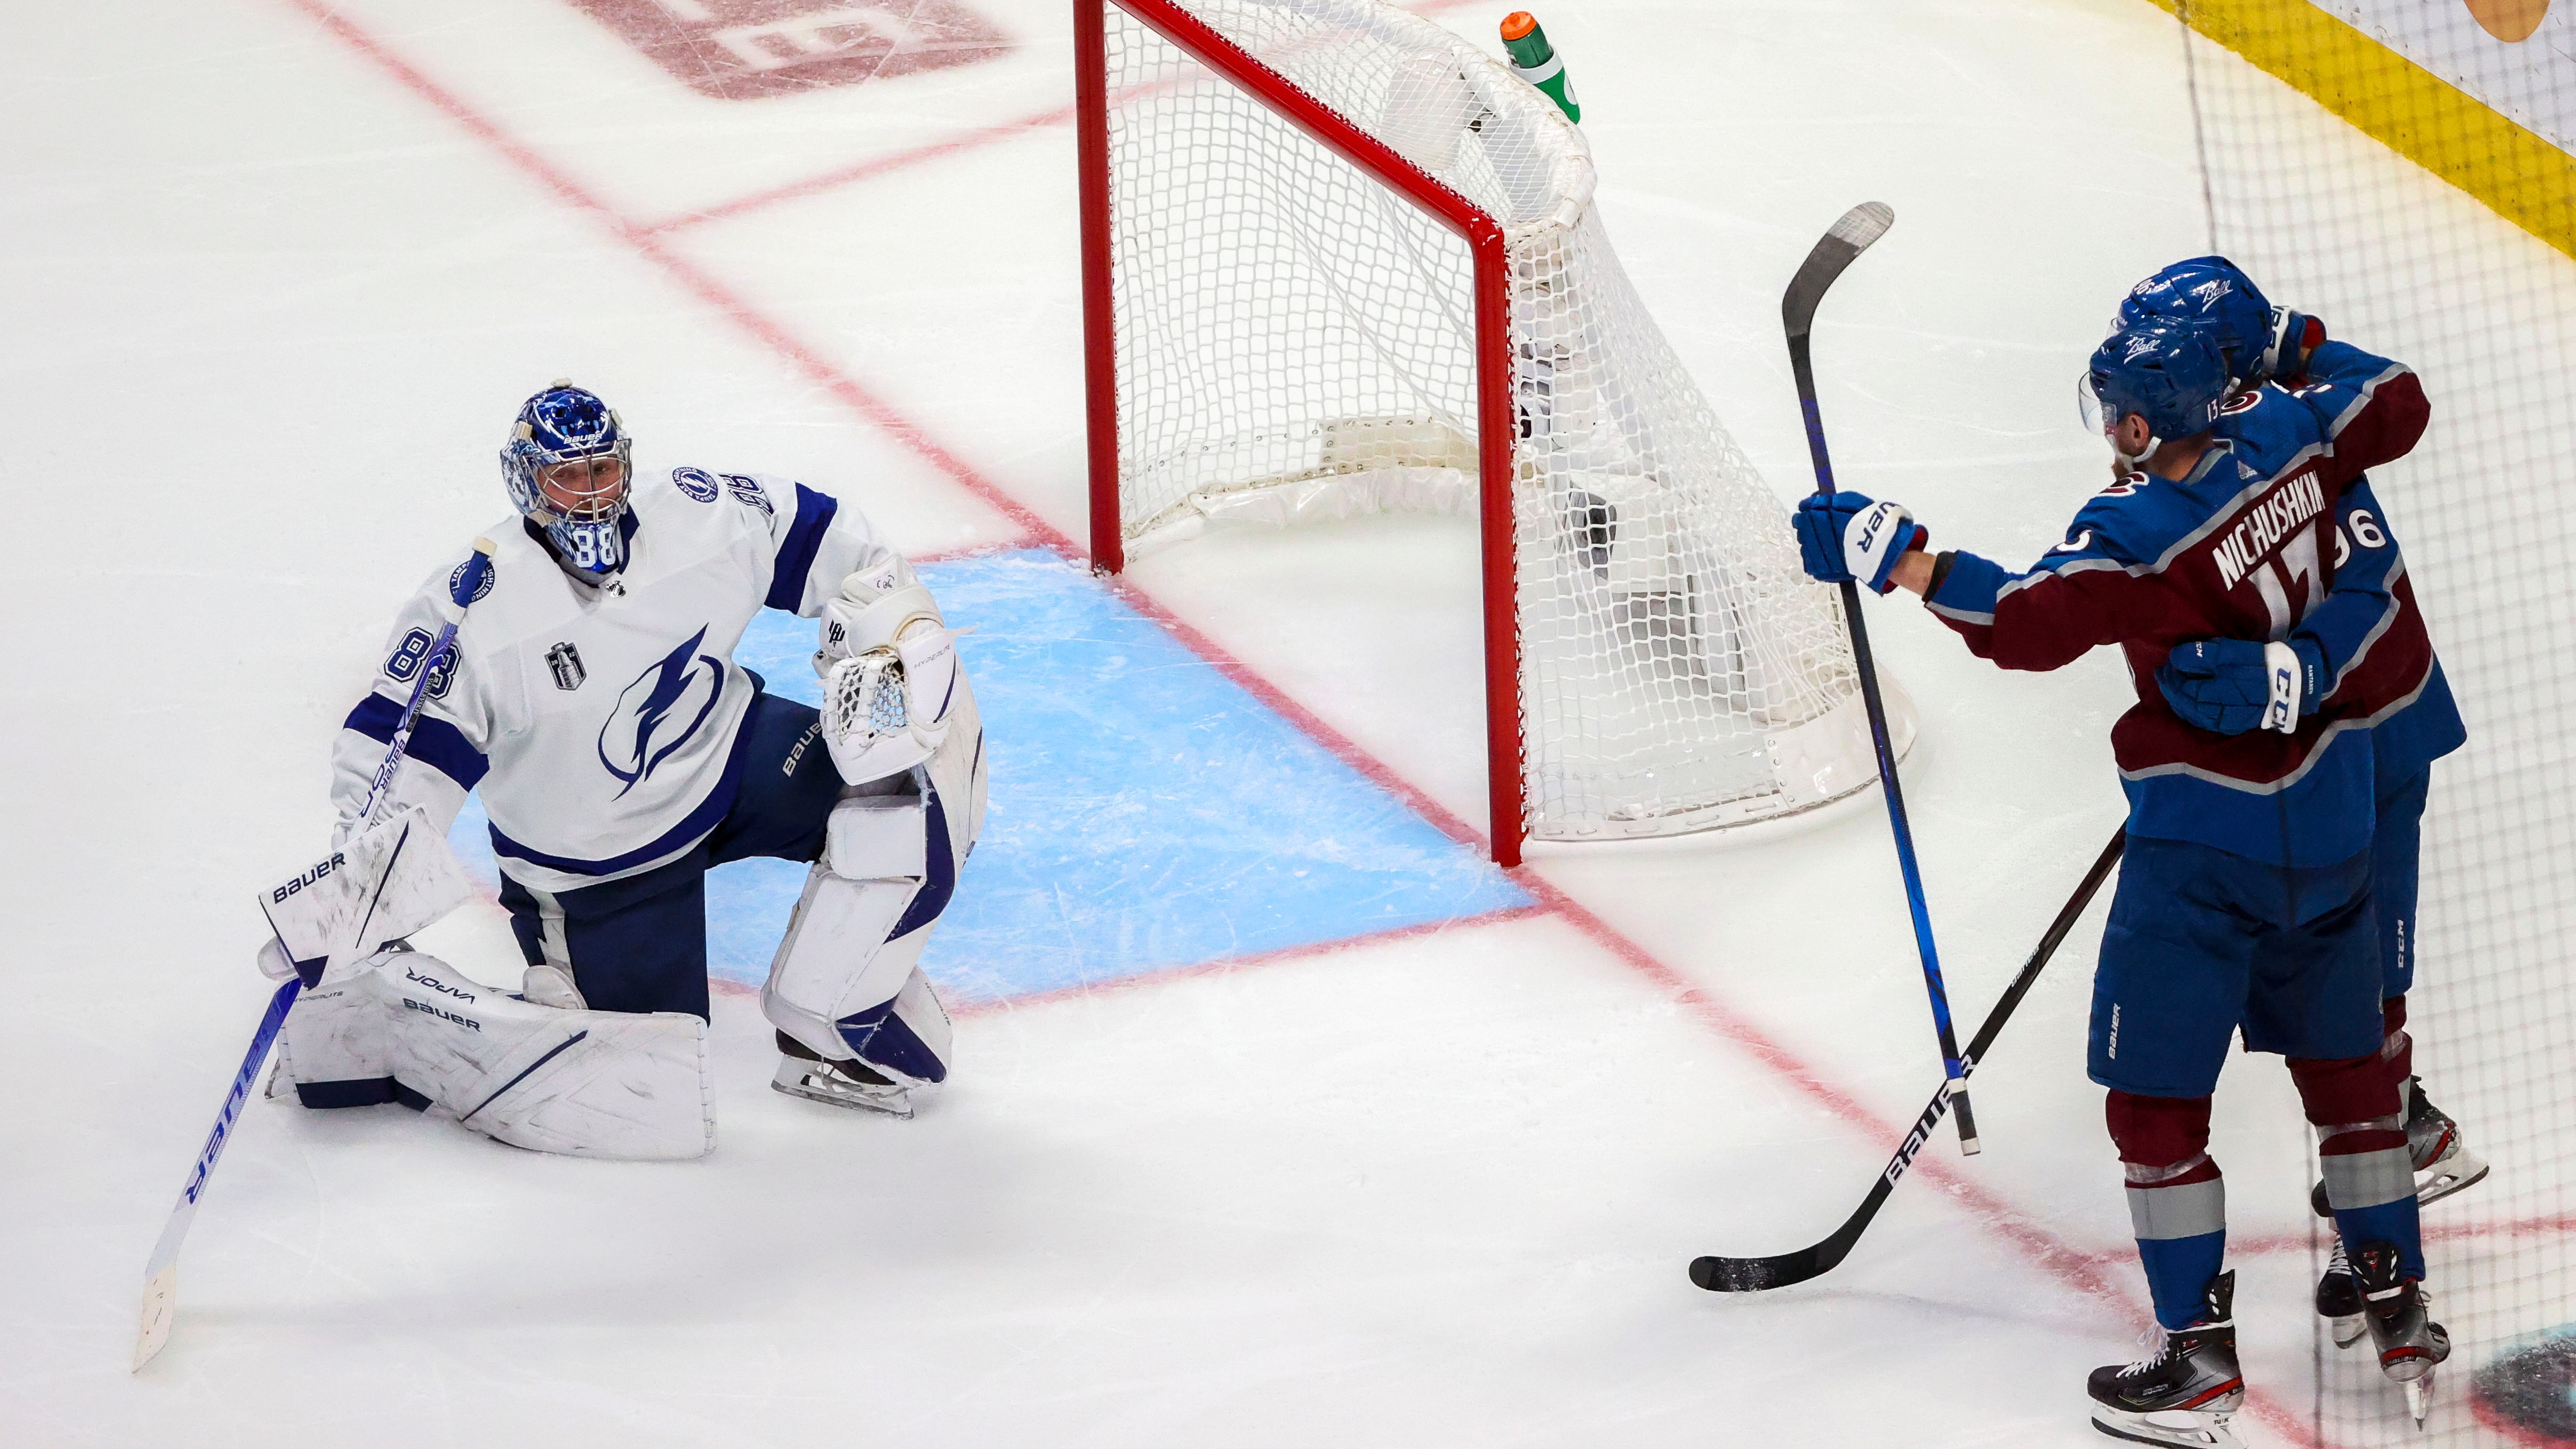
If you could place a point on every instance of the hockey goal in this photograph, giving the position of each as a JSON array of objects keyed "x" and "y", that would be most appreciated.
[{"x": 1338, "y": 261}]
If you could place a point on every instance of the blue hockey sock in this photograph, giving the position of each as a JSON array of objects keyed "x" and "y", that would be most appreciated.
[
  {"x": 2372, "y": 1193},
  {"x": 2178, "y": 1274}
]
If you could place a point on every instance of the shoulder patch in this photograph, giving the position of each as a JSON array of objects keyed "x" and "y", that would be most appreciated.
[
  {"x": 748, "y": 490},
  {"x": 695, "y": 483},
  {"x": 480, "y": 589}
]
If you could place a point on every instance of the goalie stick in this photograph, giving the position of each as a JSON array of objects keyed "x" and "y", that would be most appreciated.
[
  {"x": 1835, "y": 250},
  {"x": 1752, "y": 1275},
  {"x": 161, "y": 1272}
]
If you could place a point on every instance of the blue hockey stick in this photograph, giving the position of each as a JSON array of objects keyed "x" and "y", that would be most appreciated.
[
  {"x": 161, "y": 1273},
  {"x": 1847, "y": 239}
]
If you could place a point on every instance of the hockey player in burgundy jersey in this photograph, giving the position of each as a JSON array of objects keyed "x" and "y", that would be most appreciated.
[
  {"x": 2244, "y": 900},
  {"x": 2215, "y": 685}
]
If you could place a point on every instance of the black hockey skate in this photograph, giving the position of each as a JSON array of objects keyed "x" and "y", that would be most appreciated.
[
  {"x": 851, "y": 1083},
  {"x": 2183, "y": 1394},
  {"x": 2400, "y": 1318},
  {"x": 2339, "y": 1299},
  {"x": 2443, "y": 1164}
]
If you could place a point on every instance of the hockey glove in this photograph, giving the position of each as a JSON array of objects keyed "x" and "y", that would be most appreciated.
[
  {"x": 2230, "y": 686},
  {"x": 1852, "y": 537},
  {"x": 2294, "y": 336}
]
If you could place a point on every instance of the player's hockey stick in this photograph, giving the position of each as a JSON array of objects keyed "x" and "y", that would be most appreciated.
[
  {"x": 1847, "y": 239},
  {"x": 161, "y": 1273},
  {"x": 1752, "y": 1275}
]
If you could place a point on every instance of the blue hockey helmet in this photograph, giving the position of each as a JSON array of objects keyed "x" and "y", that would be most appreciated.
[
  {"x": 2169, "y": 372},
  {"x": 2215, "y": 291},
  {"x": 567, "y": 464}
]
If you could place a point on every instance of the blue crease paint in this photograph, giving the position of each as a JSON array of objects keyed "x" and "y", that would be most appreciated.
[{"x": 1145, "y": 811}]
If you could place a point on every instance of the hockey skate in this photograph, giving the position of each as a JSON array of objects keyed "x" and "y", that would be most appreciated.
[
  {"x": 2443, "y": 1166},
  {"x": 2186, "y": 1391},
  {"x": 2339, "y": 1298},
  {"x": 2443, "y": 1163},
  {"x": 839, "y": 1084},
  {"x": 2400, "y": 1319}
]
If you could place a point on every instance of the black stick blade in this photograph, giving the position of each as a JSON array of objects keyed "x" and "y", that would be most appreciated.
[
  {"x": 1843, "y": 241},
  {"x": 1754, "y": 1275}
]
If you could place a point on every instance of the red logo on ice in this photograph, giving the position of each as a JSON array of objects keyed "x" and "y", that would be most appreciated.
[{"x": 744, "y": 49}]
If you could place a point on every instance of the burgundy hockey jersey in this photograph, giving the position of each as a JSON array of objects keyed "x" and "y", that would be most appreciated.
[{"x": 2242, "y": 548}]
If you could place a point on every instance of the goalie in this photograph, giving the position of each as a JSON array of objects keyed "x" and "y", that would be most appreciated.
[{"x": 621, "y": 752}]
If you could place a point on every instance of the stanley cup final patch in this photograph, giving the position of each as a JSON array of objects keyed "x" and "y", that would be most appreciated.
[{"x": 565, "y": 661}]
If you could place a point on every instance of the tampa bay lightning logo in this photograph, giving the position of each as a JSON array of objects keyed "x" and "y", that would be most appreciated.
[
  {"x": 660, "y": 712},
  {"x": 482, "y": 585},
  {"x": 695, "y": 483}
]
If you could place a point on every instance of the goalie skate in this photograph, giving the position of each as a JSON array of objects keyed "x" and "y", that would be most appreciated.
[{"x": 837, "y": 1084}]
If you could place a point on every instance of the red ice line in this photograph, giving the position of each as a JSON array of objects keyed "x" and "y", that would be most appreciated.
[{"x": 2079, "y": 1271}]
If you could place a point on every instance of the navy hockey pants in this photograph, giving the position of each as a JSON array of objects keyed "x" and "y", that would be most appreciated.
[
  {"x": 2202, "y": 942},
  {"x": 640, "y": 944}
]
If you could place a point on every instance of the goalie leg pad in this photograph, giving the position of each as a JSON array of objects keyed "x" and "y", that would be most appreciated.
[
  {"x": 334, "y": 1050},
  {"x": 607, "y": 1084},
  {"x": 845, "y": 981}
]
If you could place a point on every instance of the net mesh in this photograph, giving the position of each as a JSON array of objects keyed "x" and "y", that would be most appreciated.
[
  {"x": 2319, "y": 201},
  {"x": 1296, "y": 341}
]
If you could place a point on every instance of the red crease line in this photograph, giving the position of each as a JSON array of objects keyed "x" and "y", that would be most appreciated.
[{"x": 1229, "y": 965}]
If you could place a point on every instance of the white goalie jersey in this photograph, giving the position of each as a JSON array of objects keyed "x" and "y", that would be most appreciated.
[{"x": 602, "y": 724}]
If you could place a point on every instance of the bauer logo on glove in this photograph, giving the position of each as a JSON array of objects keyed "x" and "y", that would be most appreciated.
[{"x": 1854, "y": 538}]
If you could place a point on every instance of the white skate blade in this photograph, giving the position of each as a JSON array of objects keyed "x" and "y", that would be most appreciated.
[
  {"x": 815, "y": 1082},
  {"x": 2449, "y": 1175},
  {"x": 2187, "y": 1428},
  {"x": 2419, "y": 1397},
  {"x": 2349, "y": 1329}
]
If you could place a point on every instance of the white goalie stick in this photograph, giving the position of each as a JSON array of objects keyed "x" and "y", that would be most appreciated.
[{"x": 161, "y": 1272}]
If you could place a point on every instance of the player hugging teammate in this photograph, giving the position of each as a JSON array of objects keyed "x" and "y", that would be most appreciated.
[
  {"x": 593, "y": 698},
  {"x": 2289, "y": 710}
]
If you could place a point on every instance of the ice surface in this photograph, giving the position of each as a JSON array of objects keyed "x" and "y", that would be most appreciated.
[{"x": 277, "y": 273}]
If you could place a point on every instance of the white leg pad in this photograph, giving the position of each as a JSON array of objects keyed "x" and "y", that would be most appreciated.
[
  {"x": 836, "y": 978},
  {"x": 631, "y": 1086}
]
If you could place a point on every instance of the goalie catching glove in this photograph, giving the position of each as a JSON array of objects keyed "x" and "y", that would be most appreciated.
[{"x": 891, "y": 677}]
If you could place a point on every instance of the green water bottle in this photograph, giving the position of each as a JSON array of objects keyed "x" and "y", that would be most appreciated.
[{"x": 1536, "y": 61}]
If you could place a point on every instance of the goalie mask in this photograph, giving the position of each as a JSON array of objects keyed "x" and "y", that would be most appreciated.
[{"x": 567, "y": 464}]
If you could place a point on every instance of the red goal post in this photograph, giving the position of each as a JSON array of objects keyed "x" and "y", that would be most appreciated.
[
  {"x": 1271, "y": 325},
  {"x": 1484, "y": 238}
]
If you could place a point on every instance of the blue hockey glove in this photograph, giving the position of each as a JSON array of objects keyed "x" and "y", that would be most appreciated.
[
  {"x": 2294, "y": 336},
  {"x": 2231, "y": 686},
  {"x": 1847, "y": 537}
]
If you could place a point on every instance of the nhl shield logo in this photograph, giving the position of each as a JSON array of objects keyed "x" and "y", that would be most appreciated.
[{"x": 565, "y": 661}]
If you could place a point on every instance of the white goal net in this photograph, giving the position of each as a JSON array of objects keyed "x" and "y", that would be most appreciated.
[{"x": 1293, "y": 339}]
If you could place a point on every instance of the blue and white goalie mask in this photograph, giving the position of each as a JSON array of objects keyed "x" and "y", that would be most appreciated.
[{"x": 567, "y": 465}]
